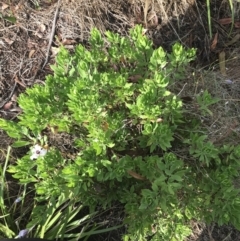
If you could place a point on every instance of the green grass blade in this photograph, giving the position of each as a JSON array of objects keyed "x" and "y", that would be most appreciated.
[
  {"x": 209, "y": 18},
  {"x": 4, "y": 213},
  {"x": 232, "y": 15}
]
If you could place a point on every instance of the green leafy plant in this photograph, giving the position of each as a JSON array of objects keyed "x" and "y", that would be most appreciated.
[
  {"x": 133, "y": 138},
  {"x": 60, "y": 219},
  {"x": 204, "y": 101},
  {"x": 10, "y": 19},
  {"x": 53, "y": 219}
]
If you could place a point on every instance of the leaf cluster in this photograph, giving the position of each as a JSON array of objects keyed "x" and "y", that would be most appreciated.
[{"x": 115, "y": 99}]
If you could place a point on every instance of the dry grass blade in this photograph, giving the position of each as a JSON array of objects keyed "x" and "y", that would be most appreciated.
[
  {"x": 19, "y": 82},
  {"x": 9, "y": 97},
  {"x": 234, "y": 40},
  {"x": 52, "y": 33},
  {"x": 146, "y": 6},
  {"x": 135, "y": 175},
  {"x": 162, "y": 10},
  {"x": 214, "y": 42},
  {"x": 224, "y": 21},
  {"x": 222, "y": 64}
]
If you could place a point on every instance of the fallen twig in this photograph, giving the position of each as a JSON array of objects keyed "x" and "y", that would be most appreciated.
[
  {"x": 10, "y": 96},
  {"x": 52, "y": 34},
  {"x": 19, "y": 82}
]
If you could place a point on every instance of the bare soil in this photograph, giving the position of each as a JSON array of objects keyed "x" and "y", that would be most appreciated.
[{"x": 24, "y": 50}]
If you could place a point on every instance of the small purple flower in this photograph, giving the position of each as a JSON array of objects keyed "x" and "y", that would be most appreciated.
[
  {"x": 228, "y": 81},
  {"x": 23, "y": 233},
  {"x": 18, "y": 200}
]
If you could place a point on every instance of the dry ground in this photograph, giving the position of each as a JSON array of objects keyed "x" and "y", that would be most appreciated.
[{"x": 24, "y": 51}]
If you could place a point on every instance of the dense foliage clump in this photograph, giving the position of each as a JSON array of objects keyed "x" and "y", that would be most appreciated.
[{"x": 133, "y": 138}]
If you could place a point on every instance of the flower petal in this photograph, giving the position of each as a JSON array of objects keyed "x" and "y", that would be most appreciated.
[
  {"x": 23, "y": 233},
  {"x": 18, "y": 200},
  {"x": 43, "y": 152},
  {"x": 38, "y": 151},
  {"x": 34, "y": 156}
]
